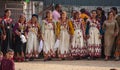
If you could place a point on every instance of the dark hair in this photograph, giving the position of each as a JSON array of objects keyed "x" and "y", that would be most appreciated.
[
  {"x": 83, "y": 10},
  {"x": 57, "y": 6},
  {"x": 109, "y": 14},
  {"x": 99, "y": 8},
  {"x": 35, "y": 15},
  {"x": 115, "y": 9},
  {"x": 75, "y": 14},
  {"x": 10, "y": 50},
  {"x": 103, "y": 12},
  {"x": 6, "y": 10},
  {"x": 47, "y": 13},
  {"x": 93, "y": 11}
]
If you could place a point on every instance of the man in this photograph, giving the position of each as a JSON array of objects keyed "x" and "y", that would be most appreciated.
[{"x": 56, "y": 12}]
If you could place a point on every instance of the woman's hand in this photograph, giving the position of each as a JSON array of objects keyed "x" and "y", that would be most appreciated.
[
  {"x": 3, "y": 37},
  {"x": 17, "y": 32}
]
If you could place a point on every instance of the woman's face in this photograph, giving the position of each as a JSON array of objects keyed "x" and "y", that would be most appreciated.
[
  {"x": 22, "y": 19},
  {"x": 64, "y": 15},
  {"x": 111, "y": 15},
  {"x": 8, "y": 13},
  {"x": 94, "y": 14},
  {"x": 99, "y": 12},
  {"x": 34, "y": 19},
  {"x": 77, "y": 15},
  {"x": 114, "y": 12},
  {"x": 10, "y": 55},
  {"x": 49, "y": 15}
]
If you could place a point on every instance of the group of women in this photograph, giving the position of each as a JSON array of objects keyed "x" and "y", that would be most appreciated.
[{"x": 80, "y": 36}]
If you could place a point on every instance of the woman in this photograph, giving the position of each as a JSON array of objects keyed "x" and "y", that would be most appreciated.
[
  {"x": 32, "y": 41},
  {"x": 94, "y": 36},
  {"x": 8, "y": 35},
  {"x": 48, "y": 36},
  {"x": 101, "y": 18},
  {"x": 63, "y": 36},
  {"x": 111, "y": 30},
  {"x": 78, "y": 48},
  {"x": 20, "y": 29}
]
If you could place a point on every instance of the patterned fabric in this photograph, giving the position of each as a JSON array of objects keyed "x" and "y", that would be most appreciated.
[
  {"x": 78, "y": 45},
  {"x": 94, "y": 41},
  {"x": 22, "y": 28},
  {"x": 64, "y": 39},
  {"x": 8, "y": 42},
  {"x": 32, "y": 41},
  {"x": 48, "y": 37}
]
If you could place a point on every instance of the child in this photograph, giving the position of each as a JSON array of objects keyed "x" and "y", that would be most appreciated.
[{"x": 7, "y": 63}]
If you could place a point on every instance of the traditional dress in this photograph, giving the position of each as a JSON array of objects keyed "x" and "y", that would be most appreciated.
[
  {"x": 7, "y": 64},
  {"x": 32, "y": 40},
  {"x": 94, "y": 41},
  {"x": 64, "y": 39},
  {"x": 7, "y": 43},
  {"x": 48, "y": 35},
  {"x": 110, "y": 29},
  {"x": 2, "y": 32},
  {"x": 101, "y": 20},
  {"x": 78, "y": 45},
  {"x": 20, "y": 46}
]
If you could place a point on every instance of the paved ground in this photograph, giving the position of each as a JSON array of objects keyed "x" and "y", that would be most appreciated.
[{"x": 68, "y": 65}]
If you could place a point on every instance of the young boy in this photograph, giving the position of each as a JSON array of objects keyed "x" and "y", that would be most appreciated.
[{"x": 7, "y": 63}]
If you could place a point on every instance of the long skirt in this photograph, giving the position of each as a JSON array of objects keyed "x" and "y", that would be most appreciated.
[
  {"x": 94, "y": 43},
  {"x": 49, "y": 41},
  {"x": 32, "y": 43},
  {"x": 78, "y": 44},
  {"x": 63, "y": 49},
  {"x": 108, "y": 43}
]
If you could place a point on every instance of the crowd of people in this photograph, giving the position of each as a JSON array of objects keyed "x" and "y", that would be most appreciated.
[{"x": 85, "y": 34}]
